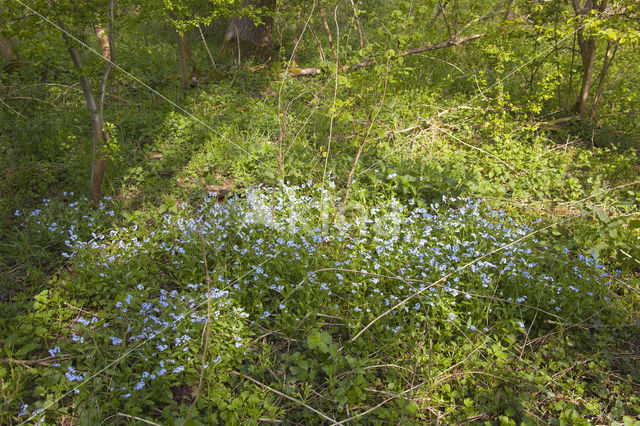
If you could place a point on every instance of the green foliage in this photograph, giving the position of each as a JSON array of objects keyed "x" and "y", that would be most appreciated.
[{"x": 458, "y": 148}]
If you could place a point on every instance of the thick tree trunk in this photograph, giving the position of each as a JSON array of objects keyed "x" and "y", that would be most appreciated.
[
  {"x": 99, "y": 149},
  {"x": 245, "y": 39},
  {"x": 612, "y": 47},
  {"x": 182, "y": 53}
]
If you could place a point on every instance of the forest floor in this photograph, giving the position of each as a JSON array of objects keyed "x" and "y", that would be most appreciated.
[{"x": 368, "y": 258}]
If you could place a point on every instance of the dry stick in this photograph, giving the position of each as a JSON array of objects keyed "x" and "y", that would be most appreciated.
[
  {"x": 208, "y": 332},
  {"x": 323, "y": 57},
  {"x": 297, "y": 37},
  {"x": 207, "y": 47},
  {"x": 19, "y": 114},
  {"x": 600, "y": 193},
  {"x": 444, "y": 16},
  {"x": 630, "y": 257},
  {"x": 436, "y": 283},
  {"x": 454, "y": 41},
  {"x": 137, "y": 418},
  {"x": 290, "y": 398},
  {"x": 475, "y": 147}
]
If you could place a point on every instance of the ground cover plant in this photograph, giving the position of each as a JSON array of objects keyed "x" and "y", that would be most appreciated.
[
  {"x": 327, "y": 212},
  {"x": 298, "y": 288}
]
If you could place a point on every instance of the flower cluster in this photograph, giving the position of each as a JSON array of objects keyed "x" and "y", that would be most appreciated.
[{"x": 283, "y": 252}]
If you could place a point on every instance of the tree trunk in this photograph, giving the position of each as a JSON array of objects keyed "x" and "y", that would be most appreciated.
[
  {"x": 9, "y": 55},
  {"x": 297, "y": 36},
  {"x": 588, "y": 54},
  {"x": 182, "y": 53},
  {"x": 328, "y": 31},
  {"x": 358, "y": 26},
  {"x": 10, "y": 58},
  {"x": 587, "y": 46},
  {"x": 99, "y": 149},
  {"x": 244, "y": 39},
  {"x": 508, "y": 13},
  {"x": 612, "y": 47}
]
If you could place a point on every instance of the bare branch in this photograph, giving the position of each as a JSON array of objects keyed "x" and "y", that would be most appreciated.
[{"x": 455, "y": 41}]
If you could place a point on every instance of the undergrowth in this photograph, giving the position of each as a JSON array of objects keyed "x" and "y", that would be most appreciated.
[{"x": 404, "y": 312}]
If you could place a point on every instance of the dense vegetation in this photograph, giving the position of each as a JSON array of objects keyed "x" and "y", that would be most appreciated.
[{"x": 404, "y": 212}]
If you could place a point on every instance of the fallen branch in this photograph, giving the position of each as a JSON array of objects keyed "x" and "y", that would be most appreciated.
[
  {"x": 454, "y": 41},
  {"x": 303, "y": 72}
]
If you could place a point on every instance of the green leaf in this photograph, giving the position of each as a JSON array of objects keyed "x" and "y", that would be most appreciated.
[
  {"x": 602, "y": 216},
  {"x": 319, "y": 340},
  {"x": 26, "y": 349},
  {"x": 634, "y": 224}
]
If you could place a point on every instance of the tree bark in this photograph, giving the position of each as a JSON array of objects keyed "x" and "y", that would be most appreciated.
[
  {"x": 612, "y": 47},
  {"x": 244, "y": 39},
  {"x": 103, "y": 42},
  {"x": 588, "y": 54}
]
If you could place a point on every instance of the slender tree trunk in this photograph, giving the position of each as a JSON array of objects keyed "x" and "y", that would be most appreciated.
[
  {"x": 587, "y": 44},
  {"x": 182, "y": 53},
  {"x": 298, "y": 32},
  {"x": 328, "y": 31},
  {"x": 508, "y": 12},
  {"x": 358, "y": 26},
  {"x": 245, "y": 39},
  {"x": 588, "y": 54},
  {"x": 194, "y": 64},
  {"x": 612, "y": 47},
  {"x": 98, "y": 152}
]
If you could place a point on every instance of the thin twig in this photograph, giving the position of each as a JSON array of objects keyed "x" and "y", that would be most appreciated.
[
  {"x": 149, "y": 422},
  {"x": 277, "y": 392}
]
